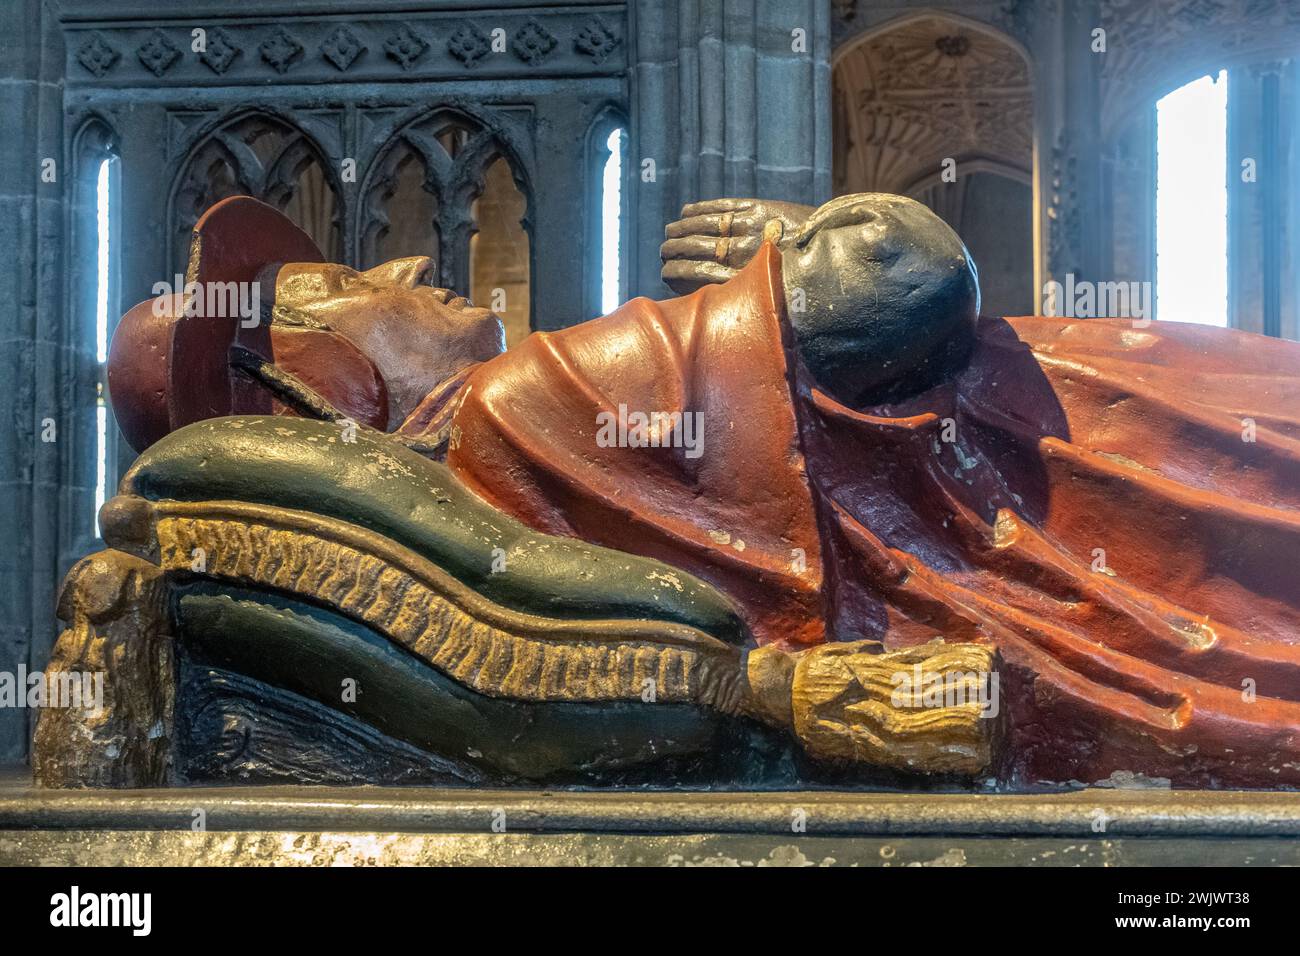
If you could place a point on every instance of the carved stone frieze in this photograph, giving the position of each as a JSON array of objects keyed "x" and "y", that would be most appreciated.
[
  {"x": 342, "y": 48},
  {"x": 96, "y": 55},
  {"x": 405, "y": 47},
  {"x": 158, "y": 53},
  {"x": 469, "y": 44},
  {"x": 596, "y": 40},
  {"x": 219, "y": 52},
  {"x": 544, "y": 41},
  {"x": 281, "y": 50},
  {"x": 533, "y": 43}
]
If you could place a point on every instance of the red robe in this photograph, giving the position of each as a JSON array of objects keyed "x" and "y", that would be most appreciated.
[{"x": 1116, "y": 508}]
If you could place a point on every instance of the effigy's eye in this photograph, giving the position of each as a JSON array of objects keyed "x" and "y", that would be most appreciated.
[
  {"x": 303, "y": 287},
  {"x": 346, "y": 280}
]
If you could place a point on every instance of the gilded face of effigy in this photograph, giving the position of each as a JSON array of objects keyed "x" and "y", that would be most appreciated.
[{"x": 416, "y": 335}]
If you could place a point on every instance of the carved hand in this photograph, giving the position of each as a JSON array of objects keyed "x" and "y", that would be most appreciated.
[{"x": 714, "y": 239}]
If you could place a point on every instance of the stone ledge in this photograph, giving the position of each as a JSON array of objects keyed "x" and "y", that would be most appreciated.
[
  {"x": 1127, "y": 813},
  {"x": 315, "y": 848},
  {"x": 287, "y": 826}
]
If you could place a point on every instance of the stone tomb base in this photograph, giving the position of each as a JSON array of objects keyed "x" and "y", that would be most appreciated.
[{"x": 284, "y": 826}]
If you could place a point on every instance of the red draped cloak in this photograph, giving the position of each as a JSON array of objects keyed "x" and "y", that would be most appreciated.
[{"x": 1116, "y": 508}]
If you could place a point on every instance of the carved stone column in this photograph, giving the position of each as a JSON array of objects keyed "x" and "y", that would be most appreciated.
[
  {"x": 727, "y": 100},
  {"x": 1069, "y": 145},
  {"x": 41, "y": 362},
  {"x": 1262, "y": 266}
]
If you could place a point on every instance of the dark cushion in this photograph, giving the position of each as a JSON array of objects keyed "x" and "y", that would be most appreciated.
[{"x": 376, "y": 483}]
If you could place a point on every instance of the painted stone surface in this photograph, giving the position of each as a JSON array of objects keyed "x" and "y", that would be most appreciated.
[{"x": 815, "y": 516}]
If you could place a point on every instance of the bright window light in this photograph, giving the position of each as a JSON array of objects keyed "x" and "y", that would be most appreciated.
[
  {"x": 101, "y": 273},
  {"x": 1192, "y": 203},
  {"x": 611, "y": 212},
  {"x": 102, "y": 201}
]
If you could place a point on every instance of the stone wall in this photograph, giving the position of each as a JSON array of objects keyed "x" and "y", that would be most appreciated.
[
  {"x": 41, "y": 485},
  {"x": 728, "y": 98}
]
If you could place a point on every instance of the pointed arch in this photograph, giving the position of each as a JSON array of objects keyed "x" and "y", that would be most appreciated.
[
  {"x": 261, "y": 153},
  {"x": 940, "y": 107},
  {"x": 924, "y": 87},
  {"x": 596, "y": 152},
  {"x": 454, "y": 149}
]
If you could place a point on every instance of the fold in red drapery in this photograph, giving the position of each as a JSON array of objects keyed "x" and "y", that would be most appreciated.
[
  {"x": 1118, "y": 509},
  {"x": 737, "y": 511}
]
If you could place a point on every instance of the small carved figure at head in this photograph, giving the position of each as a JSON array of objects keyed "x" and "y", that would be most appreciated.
[{"x": 882, "y": 295}]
